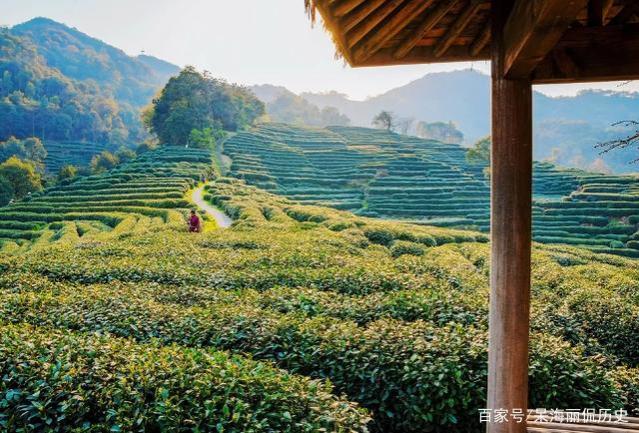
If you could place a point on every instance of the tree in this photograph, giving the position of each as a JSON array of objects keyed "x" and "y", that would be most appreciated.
[
  {"x": 22, "y": 176},
  {"x": 385, "y": 120},
  {"x": 204, "y": 138},
  {"x": 629, "y": 140},
  {"x": 197, "y": 101},
  {"x": 146, "y": 146},
  {"x": 405, "y": 124},
  {"x": 440, "y": 131},
  {"x": 480, "y": 152},
  {"x": 67, "y": 172},
  {"x": 34, "y": 149},
  {"x": 124, "y": 154},
  {"x": 6, "y": 191},
  {"x": 103, "y": 162}
]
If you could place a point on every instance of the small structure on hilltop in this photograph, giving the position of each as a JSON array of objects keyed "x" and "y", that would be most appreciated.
[{"x": 529, "y": 42}]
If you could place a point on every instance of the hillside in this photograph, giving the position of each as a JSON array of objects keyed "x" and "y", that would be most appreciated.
[
  {"x": 565, "y": 130},
  {"x": 382, "y": 174},
  {"x": 138, "y": 196},
  {"x": 133, "y": 80},
  {"x": 61, "y": 85},
  {"x": 115, "y": 298}
]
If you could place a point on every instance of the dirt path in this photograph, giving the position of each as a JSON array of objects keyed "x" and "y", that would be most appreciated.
[{"x": 222, "y": 219}]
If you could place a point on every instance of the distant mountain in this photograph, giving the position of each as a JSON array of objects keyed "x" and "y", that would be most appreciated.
[
  {"x": 284, "y": 106},
  {"x": 566, "y": 128},
  {"x": 81, "y": 57},
  {"x": 268, "y": 93},
  {"x": 59, "y": 84}
]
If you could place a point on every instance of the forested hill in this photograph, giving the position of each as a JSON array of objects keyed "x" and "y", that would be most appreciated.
[{"x": 58, "y": 83}]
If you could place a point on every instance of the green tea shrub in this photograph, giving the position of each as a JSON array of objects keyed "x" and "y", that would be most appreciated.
[
  {"x": 400, "y": 248},
  {"x": 58, "y": 382}
]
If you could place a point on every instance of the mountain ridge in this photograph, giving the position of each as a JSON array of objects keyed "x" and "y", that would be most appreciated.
[{"x": 566, "y": 128}]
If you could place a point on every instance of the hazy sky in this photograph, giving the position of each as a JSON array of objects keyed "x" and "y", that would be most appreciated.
[{"x": 244, "y": 41}]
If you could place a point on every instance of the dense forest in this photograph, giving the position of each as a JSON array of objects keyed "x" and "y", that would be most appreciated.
[{"x": 59, "y": 84}]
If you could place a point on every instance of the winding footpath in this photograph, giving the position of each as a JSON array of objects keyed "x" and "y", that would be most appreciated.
[{"x": 222, "y": 219}]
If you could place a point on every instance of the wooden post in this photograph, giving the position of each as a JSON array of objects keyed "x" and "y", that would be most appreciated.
[{"x": 511, "y": 178}]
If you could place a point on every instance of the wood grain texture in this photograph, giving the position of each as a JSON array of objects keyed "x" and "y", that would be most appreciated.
[
  {"x": 510, "y": 228},
  {"x": 373, "y": 43},
  {"x": 584, "y": 54},
  {"x": 430, "y": 21},
  {"x": 533, "y": 28}
]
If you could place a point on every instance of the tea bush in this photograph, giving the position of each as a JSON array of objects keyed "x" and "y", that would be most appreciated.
[
  {"x": 57, "y": 381},
  {"x": 381, "y": 174}
]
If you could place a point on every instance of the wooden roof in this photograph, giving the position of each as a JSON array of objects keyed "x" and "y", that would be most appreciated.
[{"x": 551, "y": 40}]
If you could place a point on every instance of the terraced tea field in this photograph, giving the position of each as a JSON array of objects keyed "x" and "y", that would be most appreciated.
[
  {"x": 114, "y": 318},
  {"x": 395, "y": 315},
  {"x": 79, "y": 154},
  {"x": 381, "y": 174},
  {"x": 139, "y": 195}
]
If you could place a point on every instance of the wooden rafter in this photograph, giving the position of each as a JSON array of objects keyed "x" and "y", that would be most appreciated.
[
  {"x": 373, "y": 43},
  {"x": 534, "y": 27},
  {"x": 429, "y": 22},
  {"x": 345, "y": 6},
  {"x": 358, "y": 15},
  {"x": 458, "y": 26},
  {"x": 628, "y": 11},
  {"x": 481, "y": 40},
  {"x": 597, "y": 11},
  {"x": 609, "y": 53},
  {"x": 424, "y": 54},
  {"x": 371, "y": 21}
]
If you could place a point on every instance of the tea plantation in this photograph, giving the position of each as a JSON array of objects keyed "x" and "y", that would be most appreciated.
[
  {"x": 138, "y": 195},
  {"x": 79, "y": 154},
  {"x": 298, "y": 318},
  {"x": 382, "y": 174}
]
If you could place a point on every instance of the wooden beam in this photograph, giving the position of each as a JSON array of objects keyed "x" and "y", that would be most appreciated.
[
  {"x": 534, "y": 27},
  {"x": 609, "y": 53},
  {"x": 481, "y": 40},
  {"x": 355, "y": 17},
  {"x": 424, "y": 27},
  {"x": 371, "y": 21},
  {"x": 396, "y": 24},
  {"x": 510, "y": 231},
  {"x": 628, "y": 11},
  {"x": 345, "y": 6},
  {"x": 458, "y": 26},
  {"x": 421, "y": 55},
  {"x": 597, "y": 10}
]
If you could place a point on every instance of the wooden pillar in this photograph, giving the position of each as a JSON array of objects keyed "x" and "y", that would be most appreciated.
[{"x": 510, "y": 225}]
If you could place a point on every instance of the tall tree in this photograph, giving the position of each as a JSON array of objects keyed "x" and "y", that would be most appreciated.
[
  {"x": 385, "y": 120},
  {"x": 22, "y": 176},
  {"x": 480, "y": 152},
  {"x": 6, "y": 191},
  {"x": 198, "y": 101}
]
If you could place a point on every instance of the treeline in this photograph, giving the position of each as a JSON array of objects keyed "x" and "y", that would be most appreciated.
[
  {"x": 22, "y": 167},
  {"x": 294, "y": 109}
]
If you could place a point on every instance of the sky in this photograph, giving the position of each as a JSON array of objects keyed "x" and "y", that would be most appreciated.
[{"x": 243, "y": 41}]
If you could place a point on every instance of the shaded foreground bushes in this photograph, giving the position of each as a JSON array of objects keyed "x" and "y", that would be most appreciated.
[{"x": 55, "y": 381}]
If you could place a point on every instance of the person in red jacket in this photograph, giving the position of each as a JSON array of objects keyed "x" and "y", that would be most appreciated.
[{"x": 195, "y": 225}]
